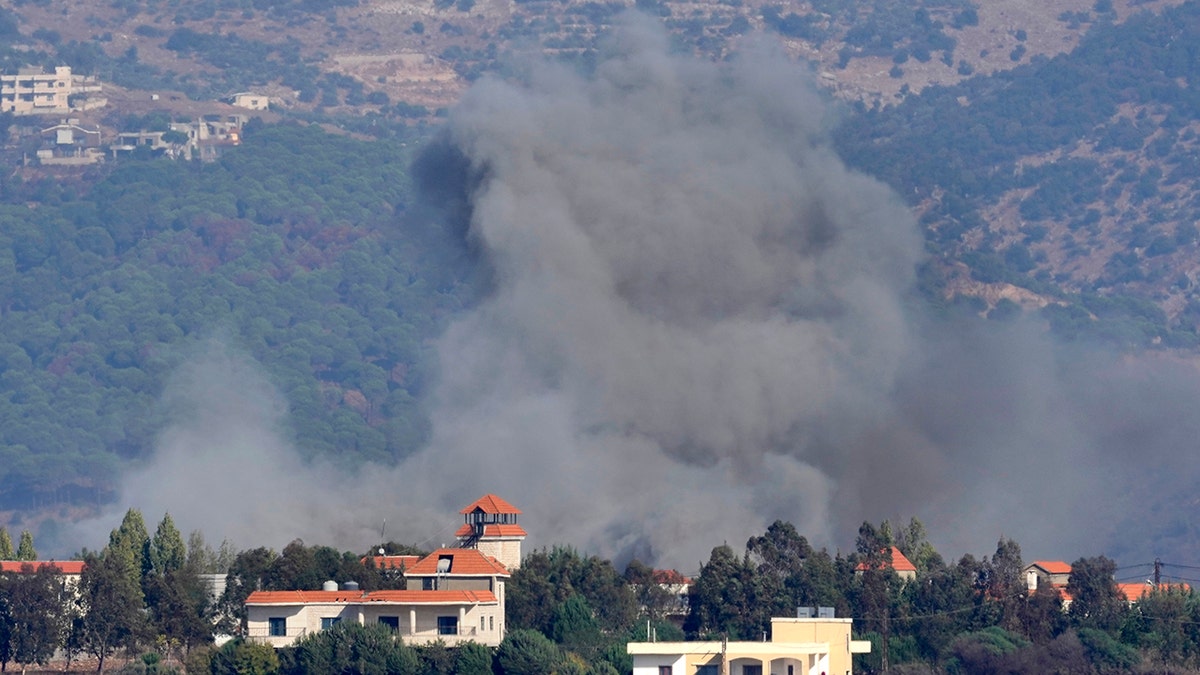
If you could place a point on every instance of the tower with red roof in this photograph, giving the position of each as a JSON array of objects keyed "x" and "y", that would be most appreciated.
[{"x": 490, "y": 525}]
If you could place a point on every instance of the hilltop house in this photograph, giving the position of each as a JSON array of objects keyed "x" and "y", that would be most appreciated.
[
  {"x": 799, "y": 646},
  {"x": 32, "y": 91},
  {"x": 900, "y": 564},
  {"x": 1053, "y": 575},
  {"x": 1046, "y": 572},
  {"x": 455, "y": 594}
]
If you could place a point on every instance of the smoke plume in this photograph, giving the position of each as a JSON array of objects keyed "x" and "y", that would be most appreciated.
[{"x": 700, "y": 320}]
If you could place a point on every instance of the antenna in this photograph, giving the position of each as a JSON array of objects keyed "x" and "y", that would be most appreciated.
[{"x": 382, "y": 530}]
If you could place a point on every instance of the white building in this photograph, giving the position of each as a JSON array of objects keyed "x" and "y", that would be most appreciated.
[
  {"x": 800, "y": 646},
  {"x": 457, "y": 596}
]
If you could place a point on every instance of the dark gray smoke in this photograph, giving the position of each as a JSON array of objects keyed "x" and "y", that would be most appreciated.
[
  {"x": 700, "y": 321},
  {"x": 703, "y": 321},
  {"x": 693, "y": 296}
]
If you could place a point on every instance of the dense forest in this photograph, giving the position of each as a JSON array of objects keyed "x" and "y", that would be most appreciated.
[
  {"x": 299, "y": 247},
  {"x": 142, "y": 602}
]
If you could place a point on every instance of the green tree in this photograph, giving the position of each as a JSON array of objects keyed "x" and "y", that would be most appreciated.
[
  {"x": 129, "y": 544},
  {"x": 574, "y": 627},
  {"x": 350, "y": 647},
  {"x": 720, "y": 600},
  {"x": 5, "y": 624},
  {"x": 25, "y": 550},
  {"x": 1005, "y": 583},
  {"x": 527, "y": 652},
  {"x": 6, "y": 546},
  {"x": 110, "y": 603},
  {"x": 239, "y": 657},
  {"x": 1095, "y": 600},
  {"x": 167, "y": 552},
  {"x": 546, "y": 579},
  {"x": 37, "y": 614},
  {"x": 472, "y": 658}
]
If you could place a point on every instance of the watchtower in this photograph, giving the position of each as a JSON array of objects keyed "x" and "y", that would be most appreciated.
[{"x": 490, "y": 525}]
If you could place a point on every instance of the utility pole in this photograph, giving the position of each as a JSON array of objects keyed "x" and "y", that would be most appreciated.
[{"x": 1157, "y": 572}]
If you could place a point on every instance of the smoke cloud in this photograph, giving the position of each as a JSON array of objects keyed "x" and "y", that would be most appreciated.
[{"x": 700, "y": 321}]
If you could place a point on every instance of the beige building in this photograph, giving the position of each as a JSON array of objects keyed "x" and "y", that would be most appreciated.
[
  {"x": 279, "y": 618},
  {"x": 456, "y": 596},
  {"x": 797, "y": 647},
  {"x": 490, "y": 525},
  {"x": 251, "y": 100},
  {"x": 33, "y": 92}
]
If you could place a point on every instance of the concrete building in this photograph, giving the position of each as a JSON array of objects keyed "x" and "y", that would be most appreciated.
[
  {"x": 34, "y": 92},
  {"x": 1046, "y": 573},
  {"x": 800, "y": 646},
  {"x": 251, "y": 100}
]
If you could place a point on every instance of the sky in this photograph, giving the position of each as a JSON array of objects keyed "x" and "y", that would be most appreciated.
[{"x": 699, "y": 321}]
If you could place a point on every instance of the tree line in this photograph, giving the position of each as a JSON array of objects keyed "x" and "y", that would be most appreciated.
[{"x": 145, "y": 598}]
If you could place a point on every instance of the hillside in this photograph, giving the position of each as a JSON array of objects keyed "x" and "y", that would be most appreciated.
[{"x": 1048, "y": 149}]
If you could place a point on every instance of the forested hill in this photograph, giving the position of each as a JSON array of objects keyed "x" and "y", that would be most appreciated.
[
  {"x": 296, "y": 247},
  {"x": 1067, "y": 185}
]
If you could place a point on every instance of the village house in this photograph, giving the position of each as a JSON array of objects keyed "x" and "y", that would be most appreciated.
[
  {"x": 32, "y": 91},
  {"x": 900, "y": 564},
  {"x": 797, "y": 646},
  {"x": 455, "y": 595},
  {"x": 71, "y": 570}
]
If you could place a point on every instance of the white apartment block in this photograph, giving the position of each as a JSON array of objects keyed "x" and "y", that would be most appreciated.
[{"x": 33, "y": 92}]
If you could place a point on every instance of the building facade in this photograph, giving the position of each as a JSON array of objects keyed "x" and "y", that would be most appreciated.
[
  {"x": 34, "y": 92},
  {"x": 490, "y": 525},
  {"x": 797, "y": 647},
  {"x": 455, "y": 595}
]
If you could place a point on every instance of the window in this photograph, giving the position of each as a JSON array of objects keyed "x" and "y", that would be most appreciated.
[
  {"x": 751, "y": 670},
  {"x": 491, "y": 623},
  {"x": 664, "y": 670},
  {"x": 482, "y": 624},
  {"x": 328, "y": 622},
  {"x": 447, "y": 625},
  {"x": 427, "y": 584},
  {"x": 392, "y": 622},
  {"x": 277, "y": 626},
  {"x": 707, "y": 670}
]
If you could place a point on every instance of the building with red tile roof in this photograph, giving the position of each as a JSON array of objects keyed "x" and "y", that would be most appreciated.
[
  {"x": 455, "y": 595},
  {"x": 399, "y": 563},
  {"x": 64, "y": 567},
  {"x": 1042, "y": 572},
  {"x": 1136, "y": 591},
  {"x": 490, "y": 525},
  {"x": 900, "y": 564}
]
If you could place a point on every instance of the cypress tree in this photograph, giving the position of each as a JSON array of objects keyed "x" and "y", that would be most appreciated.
[
  {"x": 25, "y": 550},
  {"x": 6, "y": 546}
]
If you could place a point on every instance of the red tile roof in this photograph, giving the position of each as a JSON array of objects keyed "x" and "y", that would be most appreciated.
[
  {"x": 359, "y": 597},
  {"x": 900, "y": 563},
  {"x": 463, "y": 562},
  {"x": 391, "y": 562},
  {"x": 490, "y": 504},
  {"x": 493, "y": 530},
  {"x": 1136, "y": 591},
  {"x": 64, "y": 566},
  {"x": 672, "y": 577},
  {"x": 1053, "y": 566}
]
